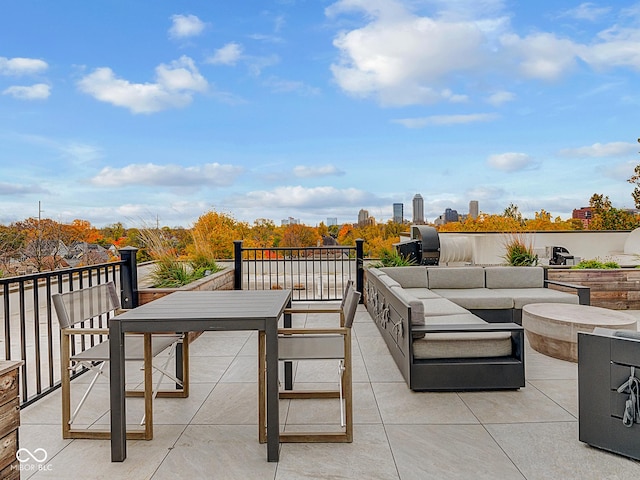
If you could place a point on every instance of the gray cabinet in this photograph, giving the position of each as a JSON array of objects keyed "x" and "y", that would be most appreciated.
[{"x": 604, "y": 363}]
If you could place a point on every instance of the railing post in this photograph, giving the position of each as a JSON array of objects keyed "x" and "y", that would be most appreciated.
[
  {"x": 360, "y": 267},
  {"x": 129, "y": 277},
  {"x": 237, "y": 257}
]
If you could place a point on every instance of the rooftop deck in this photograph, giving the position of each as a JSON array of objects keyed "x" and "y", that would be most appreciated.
[{"x": 531, "y": 433}]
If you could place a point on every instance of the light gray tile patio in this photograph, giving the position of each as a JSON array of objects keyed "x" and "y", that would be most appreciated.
[{"x": 398, "y": 434}]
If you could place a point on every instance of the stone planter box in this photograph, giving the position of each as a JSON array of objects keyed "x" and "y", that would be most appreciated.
[
  {"x": 617, "y": 289},
  {"x": 217, "y": 281}
]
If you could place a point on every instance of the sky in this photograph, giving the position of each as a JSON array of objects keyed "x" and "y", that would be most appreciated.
[{"x": 145, "y": 112}]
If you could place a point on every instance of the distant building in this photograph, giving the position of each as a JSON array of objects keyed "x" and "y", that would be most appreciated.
[
  {"x": 398, "y": 212},
  {"x": 364, "y": 219},
  {"x": 290, "y": 221},
  {"x": 585, "y": 214},
  {"x": 449, "y": 215},
  {"x": 418, "y": 209},
  {"x": 331, "y": 221},
  {"x": 474, "y": 209}
]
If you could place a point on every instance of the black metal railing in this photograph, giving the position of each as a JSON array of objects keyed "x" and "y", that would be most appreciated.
[
  {"x": 313, "y": 273},
  {"x": 30, "y": 329}
]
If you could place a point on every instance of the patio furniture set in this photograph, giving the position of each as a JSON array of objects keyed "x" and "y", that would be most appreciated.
[
  {"x": 133, "y": 336},
  {"x": 455, "y": 328},
  {"x": 458, "y": 328}
]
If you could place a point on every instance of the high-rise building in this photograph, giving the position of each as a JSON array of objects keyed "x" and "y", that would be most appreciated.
[
  {"x": 450, "y": 215},
  {"x": 474, "y": 209},
  {"x": 398, "y": 212},
  {"x": 331, "y": 221},
  {"x": 363, "y": 217},
  {"x": 418, "y": 209}
]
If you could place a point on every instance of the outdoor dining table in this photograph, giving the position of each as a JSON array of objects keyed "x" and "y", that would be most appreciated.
[{"x": 199, "y": 311}]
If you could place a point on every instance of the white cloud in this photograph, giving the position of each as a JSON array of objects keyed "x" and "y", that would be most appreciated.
[
  {"x": 186, "y": 26},
  {"x": 39, "y": 91},
  {"x": 586, "y": 11},
  {"x": 279, "y": 85},
  {"x": 303, "y": 171},
  {"x": 212, "y": 174},
  {"x": 445, "y": 120},
  {"x": 301, "y": 197},
  {"x": 174, "y": 87},
  {"x": 21, "y": 66},
  {"x": 511, "y": 161},
  {"x": 542, "y": 55},
  {"x": 401, "y": 57},
  {"x": 612, "y": 149},
  {"x": 11, "y": 189},
  {"x": 227, "y": 55},
  {"x": 619, "y": 47},
  {"x": 500, "y": 98},
  {"x": 619, "y": 171}
]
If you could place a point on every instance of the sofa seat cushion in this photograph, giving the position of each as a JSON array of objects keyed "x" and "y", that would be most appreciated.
[
  {"x": 422, "y": 293},
  {"x": 524, "y": 296},
  {"x": 408, "y": 277},
  {"x": 514, "y": 277},
  {"x": 455, "y": 277},
  {"x": 440, "y": 306},
  {"x": 476, "y": 298},
  {"x": 463, "y": 344}
]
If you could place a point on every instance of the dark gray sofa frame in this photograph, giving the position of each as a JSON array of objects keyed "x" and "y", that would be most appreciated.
[{"x": 393, "y": 319}]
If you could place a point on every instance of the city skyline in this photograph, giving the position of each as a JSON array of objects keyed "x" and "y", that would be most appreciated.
[{"x": 137, "y": 111}]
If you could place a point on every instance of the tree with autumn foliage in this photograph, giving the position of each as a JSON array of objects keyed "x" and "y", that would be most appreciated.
[
  {"x": 214, "y": 232},
  {"x": 298, "y": 235},
  {"x": 606, "y": 217}
]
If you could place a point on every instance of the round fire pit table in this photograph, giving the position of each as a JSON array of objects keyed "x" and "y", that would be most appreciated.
[{"x": 552, "y": 328}]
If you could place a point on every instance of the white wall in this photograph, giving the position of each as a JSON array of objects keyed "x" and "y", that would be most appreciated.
[{"x": 489, "y": 248}]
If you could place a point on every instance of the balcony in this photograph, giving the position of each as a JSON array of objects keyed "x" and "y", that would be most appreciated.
[{"x": 531, "y": 433}]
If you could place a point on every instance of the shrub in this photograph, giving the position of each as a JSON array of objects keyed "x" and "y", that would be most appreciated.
[
  {"x": 595, "y": 264},
  {"x": 391, "y": 258},
  {"x": 519, "y": 253}
]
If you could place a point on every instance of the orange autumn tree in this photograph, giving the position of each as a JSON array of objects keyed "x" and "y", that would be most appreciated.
[
  {"x": 214, "y": 233},
  {"x": 298, "y": 235}
]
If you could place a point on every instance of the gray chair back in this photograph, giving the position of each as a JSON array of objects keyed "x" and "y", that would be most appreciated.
[
  {"x": 350, "y": 306},
  {"x": 80, "y": 305}
]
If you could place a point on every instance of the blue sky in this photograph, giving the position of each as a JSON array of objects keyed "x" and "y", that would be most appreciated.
[{"x": 134, "y": 111}]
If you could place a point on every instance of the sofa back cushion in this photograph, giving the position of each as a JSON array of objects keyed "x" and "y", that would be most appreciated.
[
  {"x": 408, "y": 277},
  {"x": 456, "y": 277},
  {"x": 388, "y": 281},
  {"x": 514, "y": 277}
]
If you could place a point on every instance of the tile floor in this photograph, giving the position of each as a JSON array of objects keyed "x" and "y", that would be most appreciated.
[{"x": 399, "y": 434}]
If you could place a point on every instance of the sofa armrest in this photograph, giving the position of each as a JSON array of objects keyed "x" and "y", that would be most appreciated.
[{"x": 584, "y": 293}]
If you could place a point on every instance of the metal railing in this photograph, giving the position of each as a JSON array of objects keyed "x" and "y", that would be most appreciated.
[
  {"x": 30, "y": 329},
  {"x": 313, "y": 273}
]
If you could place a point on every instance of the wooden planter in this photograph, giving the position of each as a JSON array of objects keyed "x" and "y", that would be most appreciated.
[{"x": 617, "y": 289}]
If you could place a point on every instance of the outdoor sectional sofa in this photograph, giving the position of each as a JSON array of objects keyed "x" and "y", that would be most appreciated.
[{"x": 458, "y": 328}]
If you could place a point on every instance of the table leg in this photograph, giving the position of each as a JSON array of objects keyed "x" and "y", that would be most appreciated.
[
  {"x": 288, "y": 365},
  {"x": 273, "y": 411},
  {"x": 116, "y": 387}
]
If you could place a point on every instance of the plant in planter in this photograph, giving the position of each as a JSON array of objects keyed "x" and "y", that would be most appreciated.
[
  {"x": 391, "y": 258},
  {"x": 169, "y": 269},
  {"x": 596, "y": 264},
  {"x": 519, "y": 252}
]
